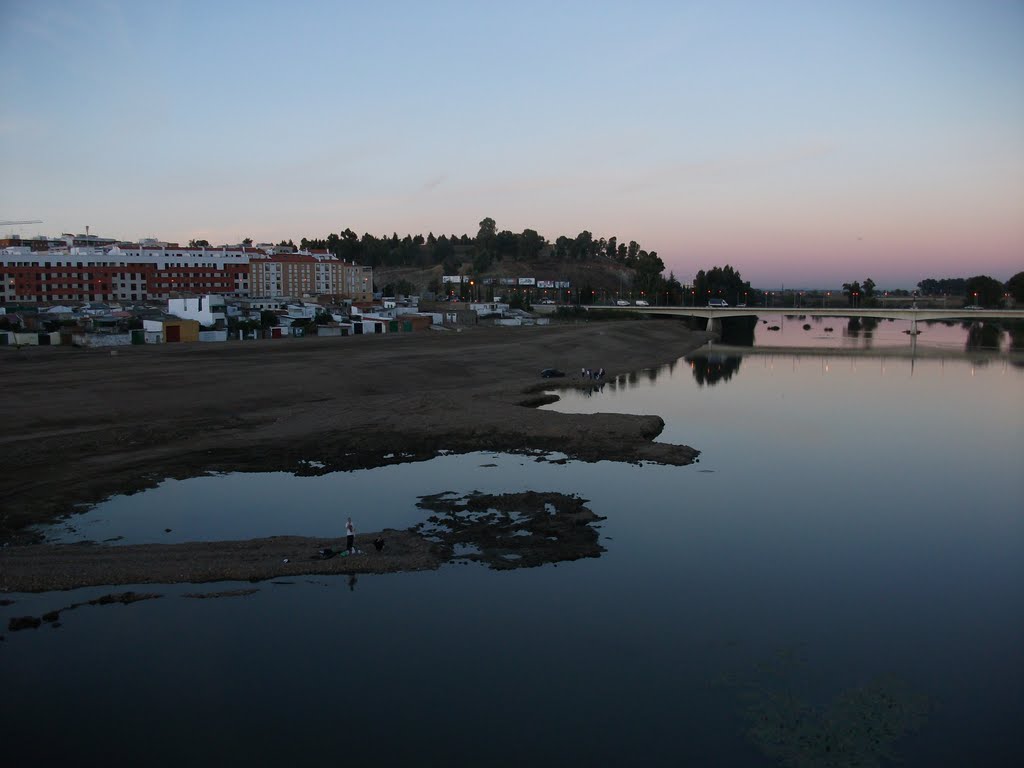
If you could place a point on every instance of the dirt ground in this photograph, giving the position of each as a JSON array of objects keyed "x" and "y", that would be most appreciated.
[{"x": 79, "y": 425}]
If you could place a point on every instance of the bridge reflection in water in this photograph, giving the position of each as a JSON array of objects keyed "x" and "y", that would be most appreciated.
[{"x": 714, "y": 315}]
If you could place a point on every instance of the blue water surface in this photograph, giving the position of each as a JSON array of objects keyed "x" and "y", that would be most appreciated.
[{"x": 850, "y": 520}]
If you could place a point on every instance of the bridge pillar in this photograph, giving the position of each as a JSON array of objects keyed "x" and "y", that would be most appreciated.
[{"x": 714, "y": 326}]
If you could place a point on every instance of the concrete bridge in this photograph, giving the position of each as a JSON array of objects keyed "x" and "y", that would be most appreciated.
[{"x": 913, "y": 315}]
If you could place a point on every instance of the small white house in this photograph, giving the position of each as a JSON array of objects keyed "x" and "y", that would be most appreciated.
[
  {"x": 154, "y": 330},
  {"x": 208, "y": 310}
]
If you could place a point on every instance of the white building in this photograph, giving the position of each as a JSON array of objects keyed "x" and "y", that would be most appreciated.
[{"x": 208, "y": 310}]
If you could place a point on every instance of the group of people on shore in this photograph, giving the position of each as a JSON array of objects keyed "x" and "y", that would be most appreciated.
[{"x": 589, "y": 373}]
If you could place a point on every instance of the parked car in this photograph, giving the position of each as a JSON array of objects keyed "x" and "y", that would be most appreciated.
[
  {"x": 972, "y": 306},
  {"x": 551, "y": 373},
  {"x": 622, "y": 303},
  {"x": 642, "y": 303},
  {"x": 719, "y": 303}
]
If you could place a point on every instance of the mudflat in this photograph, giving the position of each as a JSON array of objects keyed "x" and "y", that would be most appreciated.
[{"x": 82, "y": 424}]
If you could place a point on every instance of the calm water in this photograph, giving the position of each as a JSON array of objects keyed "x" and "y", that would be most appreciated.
[
  {"x": 798, "y": 330},
  {"x": 850, "y": 520}
]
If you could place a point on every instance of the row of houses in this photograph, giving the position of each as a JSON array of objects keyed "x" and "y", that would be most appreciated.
[{"x": 214, "y": 318}]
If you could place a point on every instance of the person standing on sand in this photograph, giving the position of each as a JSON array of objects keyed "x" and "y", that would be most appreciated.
[{"x": 350, "y": 533}]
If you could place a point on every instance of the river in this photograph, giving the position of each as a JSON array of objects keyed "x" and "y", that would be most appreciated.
[{"x": 838, "y": 578}]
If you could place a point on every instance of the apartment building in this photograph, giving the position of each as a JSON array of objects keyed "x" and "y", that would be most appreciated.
[
  {"x": 312, "y": 273},
  {"x": 141, "y": 272}
]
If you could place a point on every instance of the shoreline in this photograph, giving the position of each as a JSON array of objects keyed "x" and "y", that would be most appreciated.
[
  {"x": 505, "y": 531},
  {"x": 87, "y": 424},
  {"x": 922, "y": 351}
]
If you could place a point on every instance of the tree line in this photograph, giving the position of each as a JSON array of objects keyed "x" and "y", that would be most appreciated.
[{"x": 980, "y": 290}]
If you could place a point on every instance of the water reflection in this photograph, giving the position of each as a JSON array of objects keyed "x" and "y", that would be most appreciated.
[
  {"x": 710, "y": 368},
  {"x": 796, "y": 330},
  {"x": 861, "y": 515},
  {"x": 983, "y": 336}
]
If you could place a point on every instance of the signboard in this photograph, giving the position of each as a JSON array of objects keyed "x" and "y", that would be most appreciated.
[
  {"x": 545, "y": 283},
  {"x": 527, "y": 281},
  {"x": 508, "y": 281},
  {"x": 562, "y": 284},
  {"x": 451, "y": 278}
]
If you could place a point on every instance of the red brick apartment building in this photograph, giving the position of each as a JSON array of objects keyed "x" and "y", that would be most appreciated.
[{"x": 141, "y": 272}]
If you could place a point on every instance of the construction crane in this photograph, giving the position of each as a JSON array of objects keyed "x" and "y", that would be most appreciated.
[{"x": 12, "y": 223}]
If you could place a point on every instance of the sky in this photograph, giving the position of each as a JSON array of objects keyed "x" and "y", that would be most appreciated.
[{"x": 806, "y": 144}]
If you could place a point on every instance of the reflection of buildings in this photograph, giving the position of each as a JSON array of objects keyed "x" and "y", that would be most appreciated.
[{"x": 712, "y": 368}]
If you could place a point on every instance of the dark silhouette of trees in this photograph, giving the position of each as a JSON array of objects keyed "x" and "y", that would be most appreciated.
[
  {"x": 722, "y": 283},
  {"x": 984, "y": 290},
  {"x": 947, "y": 286},
  {"x": 853, "y": 292},
  {"x": 1015, "y": 287}
]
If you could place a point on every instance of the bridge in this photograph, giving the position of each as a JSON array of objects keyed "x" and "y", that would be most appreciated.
[{"x": 913, "y": 315}]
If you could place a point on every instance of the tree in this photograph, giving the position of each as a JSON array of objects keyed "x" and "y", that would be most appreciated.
[
  {"x": 632, "y": 251},
  {"x": 247, "y": 242},
  {"x": 485, "y": 235},
  {"x": 530, "y": 244},
  {"x": 198, "y": 243},
  {"x": 868, "y": 286},
  {"x": 268, "y": 319},
  {"x": 649, "y": 267},
  {"x": 947, "y": 286},
  {"x": 984, "y": 291},
  {"x": 582, "y": 245},
  {"x": 1015, "y": 287},
  {"x": 853, "y": 292},
  {"x": 722, "y": 283}
]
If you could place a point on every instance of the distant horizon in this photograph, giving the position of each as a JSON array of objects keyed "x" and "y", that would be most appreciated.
[
  {"x": 788, "y": 285},
  {"x": 800, "y": 142}
]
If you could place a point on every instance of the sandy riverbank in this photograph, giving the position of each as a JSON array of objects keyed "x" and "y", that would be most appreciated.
[{"x": 83, "y": 424}]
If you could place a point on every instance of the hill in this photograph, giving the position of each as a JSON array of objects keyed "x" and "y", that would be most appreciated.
[{"x": 600, "y": 274}]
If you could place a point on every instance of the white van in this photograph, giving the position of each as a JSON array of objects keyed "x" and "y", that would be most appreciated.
[
  {"x": 718, "y": 303},
  {"x": 642, "y": 303}
]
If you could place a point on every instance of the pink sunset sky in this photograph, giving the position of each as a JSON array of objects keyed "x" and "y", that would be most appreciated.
[{"x": 804, "y": 143}]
